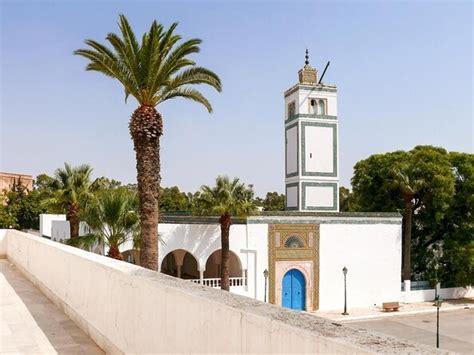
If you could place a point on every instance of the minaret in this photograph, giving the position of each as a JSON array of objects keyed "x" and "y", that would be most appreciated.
[{"x": 311, "y": 144}]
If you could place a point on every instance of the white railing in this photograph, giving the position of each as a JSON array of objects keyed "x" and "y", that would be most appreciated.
[{"x": 216, "y": 282}]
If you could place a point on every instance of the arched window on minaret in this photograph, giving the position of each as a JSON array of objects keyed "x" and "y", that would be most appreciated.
[
  {"x": 321, "y": 107},
  {"x": 313, "y": 108}
]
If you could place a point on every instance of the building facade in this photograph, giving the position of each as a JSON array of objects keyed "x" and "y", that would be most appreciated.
[{"x": 295, "y": 258}]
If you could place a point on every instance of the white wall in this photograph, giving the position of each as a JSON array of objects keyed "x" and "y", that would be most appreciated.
[
  {"x": 127, "y": 309},
  {"x": 292, "y": 150},
  {"x": 319, "y": 150},
  {"x": 60, "y": 230},
  {"x": 46, "y": 223},
  {"x": 372, "y": 255},
  {"x": 429, "y": 295}
]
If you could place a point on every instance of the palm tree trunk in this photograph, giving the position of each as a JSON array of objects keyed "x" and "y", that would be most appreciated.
[
  {"x": 225, "y": 222},
  {"x": 72, "y": 216},
  {"x": 114, "y": 252},
  {"x": 146, "y": 127},
  {"x": 407, "y": 221}
]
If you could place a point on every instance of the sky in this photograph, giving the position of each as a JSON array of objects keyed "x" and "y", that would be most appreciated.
[{"x": 403, "y": 72}]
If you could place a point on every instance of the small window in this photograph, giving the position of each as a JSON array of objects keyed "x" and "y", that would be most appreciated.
[
  {"x": 291, "y": 110},
  {"x": 321, "y": 107},
  {"x": 294, "y": 242}
]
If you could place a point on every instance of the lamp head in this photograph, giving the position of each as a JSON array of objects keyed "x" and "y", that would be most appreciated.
[
  {"x": 265, "y": 273},
  {"x": 344, "y": 270}
]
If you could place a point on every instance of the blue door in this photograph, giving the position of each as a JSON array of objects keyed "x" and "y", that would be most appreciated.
[{"x": 293, "y": 291}]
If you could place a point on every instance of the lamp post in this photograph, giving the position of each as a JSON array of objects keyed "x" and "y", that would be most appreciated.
[
  {"x": 438, "y": 302},
  {"x": 344, "y": 271},
  {"x": 265, "y": 275}
]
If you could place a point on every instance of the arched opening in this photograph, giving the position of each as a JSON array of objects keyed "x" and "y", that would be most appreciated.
[
  {"x": 313, "y": 108},
  {"x": 294, "y": 290},
  {"x": 132, "y": 256},
  {"x": 180, "y": 263},
  {"x": 213, "y": 265},
  {"x": 212, "y": 274},
  {"x": 321, "y": 107}
]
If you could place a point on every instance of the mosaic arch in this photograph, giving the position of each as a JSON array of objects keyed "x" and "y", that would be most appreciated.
[{"x": 294, "y": 246}]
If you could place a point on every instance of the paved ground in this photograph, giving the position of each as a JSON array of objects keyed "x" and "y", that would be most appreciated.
[
  {"x": 405, "y": 309},
  {"x": 31, "y": 324},
  {"x": 456, "y": 328}
]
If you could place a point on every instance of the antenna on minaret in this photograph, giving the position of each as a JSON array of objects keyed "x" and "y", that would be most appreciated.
[
  {"x": 306, "y": 57},
  {"x": 324, "y": 72}
]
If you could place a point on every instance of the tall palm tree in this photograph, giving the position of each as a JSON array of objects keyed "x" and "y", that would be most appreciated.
[
  {"x": 71, "y": 193},
  {"x": 409, "y": 187},
  {"x": 154, "y": 70},
  {"x": 113, "y": 220},
  {"x": 228, "y": 198}
]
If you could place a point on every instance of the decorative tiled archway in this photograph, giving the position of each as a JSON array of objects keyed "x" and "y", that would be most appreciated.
[{"x": 304, "y": 258}]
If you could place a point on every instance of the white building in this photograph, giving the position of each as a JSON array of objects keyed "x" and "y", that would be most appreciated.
[{"x": 294, "y": 258}]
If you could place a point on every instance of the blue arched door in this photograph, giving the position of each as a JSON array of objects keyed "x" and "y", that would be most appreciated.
[{"x": 293, "y": 290}]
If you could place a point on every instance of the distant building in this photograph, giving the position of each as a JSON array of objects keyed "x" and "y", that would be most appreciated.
[{"x": 7, "y": 180}]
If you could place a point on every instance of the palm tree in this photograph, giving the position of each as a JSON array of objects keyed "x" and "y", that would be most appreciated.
[
  {"x": 226, "y": 199},
  {"x": 154, "y": 70},
  {"x": 113, "y": 220},
  {"x": 409, "y": 187},
  {"x": 71, "y": 192}
]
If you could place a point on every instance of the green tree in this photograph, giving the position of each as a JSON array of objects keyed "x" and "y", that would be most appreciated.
[
  {"x": 226, "y": 199},
  {"x": 346, "y": 203},
  {"x": 113, "y": 220},
  {"x": 22, "y": 208},
  {"x": 173, "y": 200},
  {"x": 274, "y": 202},
  {"x": 72, "y": 192},
  {"x": 419, "y": 184},
  {"x": 103, "y": 183},
  {"x": 154, "y": 70}
]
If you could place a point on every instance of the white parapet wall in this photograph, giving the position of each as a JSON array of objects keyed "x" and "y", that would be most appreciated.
[{"x": 127, "y": 309}]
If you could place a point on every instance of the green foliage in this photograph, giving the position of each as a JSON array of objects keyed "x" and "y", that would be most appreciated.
[
  {"x": 22, "y": 208},
  {"x": 173, "y": 200},
  {"x": 440, "y": 187},
  {"x": 103, "y": 183},
  {"x": 71, "y": 187},
  {"x": 273, "y": 202},
  {"x": 227, "y": 196},
  {"x": 154, "y": 70},
  {"x": 346, "y": 200},
  {"x": 112, "y": 217}
]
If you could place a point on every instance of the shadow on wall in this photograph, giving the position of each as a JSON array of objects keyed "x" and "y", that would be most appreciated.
[{"x": 199, "y": 240}]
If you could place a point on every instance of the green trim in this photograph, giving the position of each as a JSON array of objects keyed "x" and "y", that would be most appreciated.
[
  {"x": 297, "y": 196},
  {"x": 310, "y": 88},
  {"x": 334, "y": 149},
  {"x": 304, "y": 185},
  {"x": 297, "y": 150},
  {"x": 322, "y": 221},
  {"x": 310, "y": 115},
  {"x": 291, "y": 217}
]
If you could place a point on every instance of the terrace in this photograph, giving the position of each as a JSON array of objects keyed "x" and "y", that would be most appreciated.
[{"x": 124, "y": 308}]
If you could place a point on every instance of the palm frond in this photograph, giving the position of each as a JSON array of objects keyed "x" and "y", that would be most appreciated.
[{"x": 154, "y": 70}]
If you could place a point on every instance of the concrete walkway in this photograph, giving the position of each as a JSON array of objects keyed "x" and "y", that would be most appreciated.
[
  {"x": 404, "y": 310},
  {"x": 31, "y": 324},
  {"x": 456, "y": 329}
]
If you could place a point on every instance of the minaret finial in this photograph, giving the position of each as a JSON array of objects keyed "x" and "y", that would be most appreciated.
[{"x": 306, "y": 62}]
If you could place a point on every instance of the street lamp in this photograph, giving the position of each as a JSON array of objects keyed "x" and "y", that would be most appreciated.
[
  {"x": 438, "y": 302},
  {"x": 344, "y": 271},
  {"x": 265, "y": 275}
]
